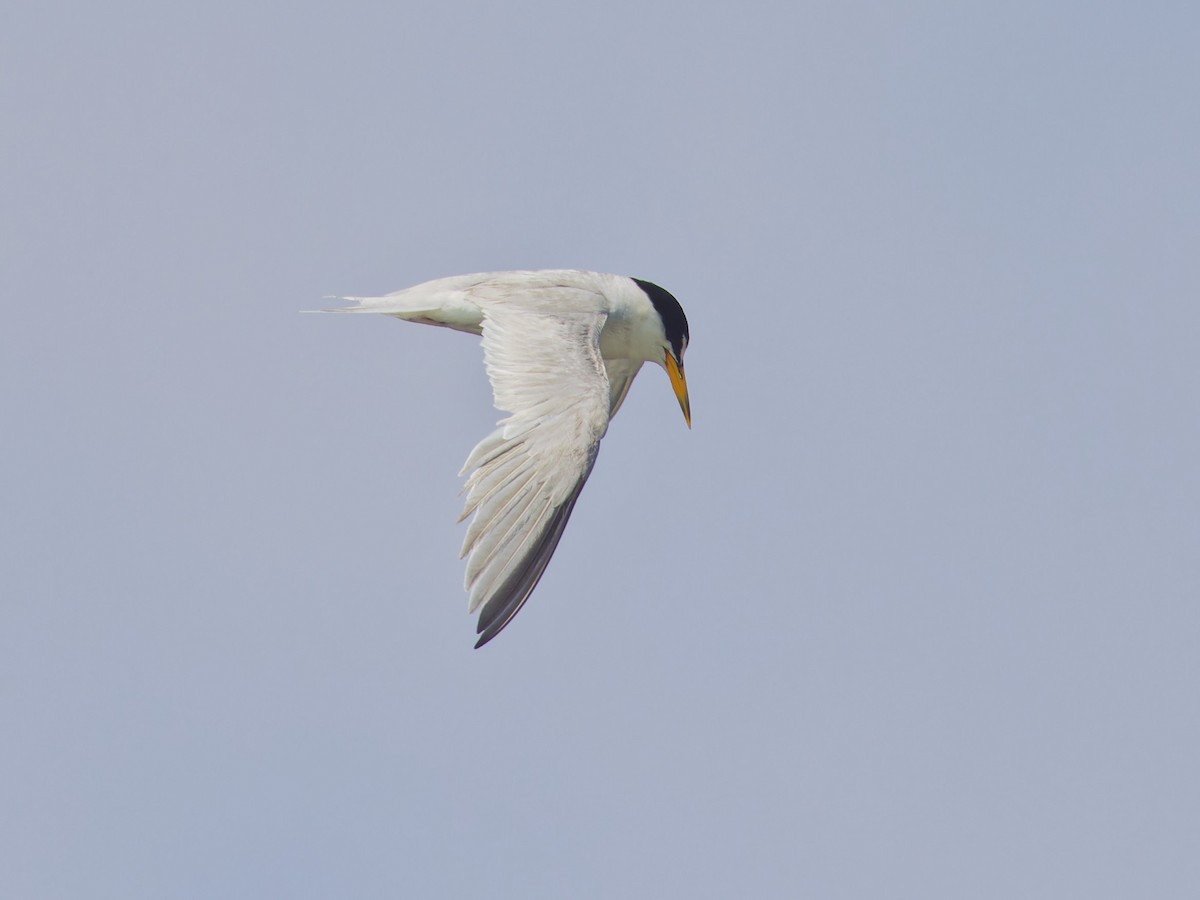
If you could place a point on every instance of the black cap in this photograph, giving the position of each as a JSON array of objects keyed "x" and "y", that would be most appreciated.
[{"x": 674, "y": 321}]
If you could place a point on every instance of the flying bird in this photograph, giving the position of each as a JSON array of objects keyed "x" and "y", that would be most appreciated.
[{"x": 561, "y": 348}]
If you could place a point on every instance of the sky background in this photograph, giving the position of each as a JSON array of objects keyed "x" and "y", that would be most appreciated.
[{"x": 911, "y": 612}]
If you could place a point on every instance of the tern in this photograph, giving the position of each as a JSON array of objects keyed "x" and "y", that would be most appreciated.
[{"x": 561, "y": 348}]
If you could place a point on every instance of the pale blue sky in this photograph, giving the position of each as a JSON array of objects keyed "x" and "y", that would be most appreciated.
[{"x": 911, "y": 612}]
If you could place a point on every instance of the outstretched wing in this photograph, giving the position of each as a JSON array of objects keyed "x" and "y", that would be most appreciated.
[{"x": 542, "y": 352}]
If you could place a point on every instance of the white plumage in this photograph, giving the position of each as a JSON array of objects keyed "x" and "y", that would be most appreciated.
[{"x": 562, "y": 348}]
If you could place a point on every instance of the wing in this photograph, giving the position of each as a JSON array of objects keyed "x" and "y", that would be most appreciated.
[
  {"x": 543, "y": 358},
  {"x": 621, "y": 373}
]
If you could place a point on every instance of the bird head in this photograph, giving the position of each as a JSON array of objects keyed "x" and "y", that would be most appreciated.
[{"x": 674, "y": 343}]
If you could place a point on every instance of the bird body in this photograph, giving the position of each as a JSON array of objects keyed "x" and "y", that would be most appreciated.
[{"x": 561, "y": 348}]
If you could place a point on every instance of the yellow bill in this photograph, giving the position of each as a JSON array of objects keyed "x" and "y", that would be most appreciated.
[{"x": 679, "y": 383}]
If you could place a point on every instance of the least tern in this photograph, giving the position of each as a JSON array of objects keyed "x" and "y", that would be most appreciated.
[{"x": 561, "y": 348}]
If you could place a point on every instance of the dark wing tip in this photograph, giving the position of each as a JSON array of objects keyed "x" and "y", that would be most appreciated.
[
  {"x": 511, "y": 596},
  {"x": 483, "y": 640}
]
